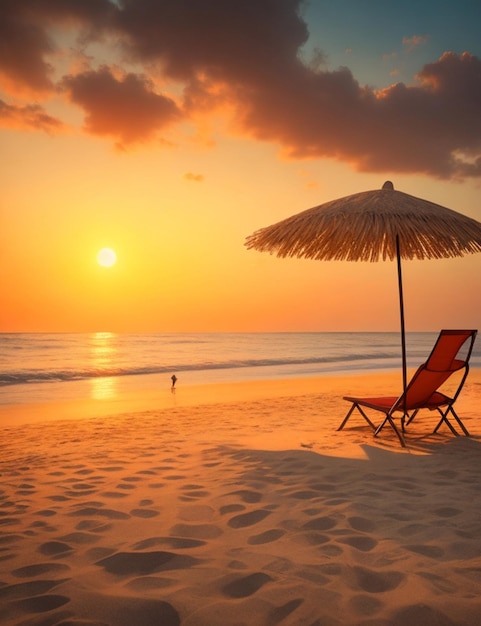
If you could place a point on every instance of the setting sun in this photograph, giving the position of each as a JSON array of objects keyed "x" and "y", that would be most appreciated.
[{"x": 106, "y": 257}]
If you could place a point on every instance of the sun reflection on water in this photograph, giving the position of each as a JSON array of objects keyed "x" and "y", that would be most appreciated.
[
  {"x": 104, "y": 388},
  {"x": 103, "y": 358}
]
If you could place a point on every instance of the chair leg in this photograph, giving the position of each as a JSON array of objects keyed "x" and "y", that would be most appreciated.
[
  {"x": 444, "y": 419},
  {"x": 460, "y": 423},
  {"x": 356, "y": 406},
  {"x": 389, "y": 419},
  {"x": 411, "y": 417}
]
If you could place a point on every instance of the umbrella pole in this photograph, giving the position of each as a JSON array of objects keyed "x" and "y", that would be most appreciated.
[{"x": 403, "y": 330}]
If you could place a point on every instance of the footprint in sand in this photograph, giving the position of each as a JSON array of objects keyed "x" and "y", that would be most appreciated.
[
  {"x": 38, "y": 569},
  {"x": 311, "y": 538},
  {"x": 46, "y": 513},
  {"x": 29, "y": 589},
  {"x": 312, "y": 512},
  {"x": 41, "y": 604},
  {"x": 58, "y": 498},
  {"x": 42, "y": 526},
  {"x": 177, "y": 543},
  {"x": 81, "y": 489},
  {"x": 80, "y": 538},
  {"x": 360, "y": 542},
  {"x": 320, "y": 523},
  {"x": 130, "y": 611},
  {"x": 95, "y": 554},
  {"x": 10, "y": 538},
  {"x": 196, "y": 513},
  {"x": 446, "y": 586},
  {"x": 144, "y": 563},
  {"x": 266, "y": 537},
  {"x": 361, "y": 523},
  {"x": 280, "y": 613},
  {"x": 231, "y": 508},
  {"x": 250, "y": 497},
  {"x": 248, "y": 519},
  {"x": 189, "y": 496},
  {"x": 150, "y": 583},
  {"x": 9, "y": 521},
  {"x": 246, "y": 586},
  {"x": 93, "y": 525},
  {"x": 55, "y": 548},
  {"x": 365, "y": 605},
  {"x": 114, "y": 494},
  {"x": 322, "y": 487},
  {"x": 420, "y": 614},
  {"x": 434, "y": 552},
  {"x": 144, "y": 513},
  {"x": 196, "y": 531},
  {"x": 25, "y": 490},
  {"x": 89, "y": 511},
  {"x": 374, "y": 582},
  {"x": 304, "y": 495},
  {"x": 331, "y": 551}
]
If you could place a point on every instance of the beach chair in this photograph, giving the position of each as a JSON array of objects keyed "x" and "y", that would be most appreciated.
[{"x": 450, "y": 354}]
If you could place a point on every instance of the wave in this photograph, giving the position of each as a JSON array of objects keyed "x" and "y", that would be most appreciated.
[{"x": 25, "y": 377}]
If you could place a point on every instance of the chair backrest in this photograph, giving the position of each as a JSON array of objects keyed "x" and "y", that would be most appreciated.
[{"x": 444, "y": 360}]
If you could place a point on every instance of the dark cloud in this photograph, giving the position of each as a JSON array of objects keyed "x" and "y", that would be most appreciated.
[
  {"x": 30, "y": 117},
  {"x": 433, "y": 127},
  {"x": 22, "y": 51},
  {"x": 247, "y": 54},
  {"x": 124, "y": 108},
  {"x": 236, "y": 41},
  {"x": 25, "y": 40}
]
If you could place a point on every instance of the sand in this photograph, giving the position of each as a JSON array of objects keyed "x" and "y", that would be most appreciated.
[{"x": 242, "y": 507}]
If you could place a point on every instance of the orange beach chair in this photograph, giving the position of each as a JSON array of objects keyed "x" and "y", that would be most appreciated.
[{"x": 450, "y": 354}]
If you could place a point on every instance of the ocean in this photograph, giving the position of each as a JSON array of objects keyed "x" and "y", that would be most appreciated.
[{"x": 47, "y": 367}]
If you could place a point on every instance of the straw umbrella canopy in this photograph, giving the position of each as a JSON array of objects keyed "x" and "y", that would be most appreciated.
[{"x": 371, "y": 226}]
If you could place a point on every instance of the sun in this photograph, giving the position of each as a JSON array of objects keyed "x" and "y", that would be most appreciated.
[{"x": 106, "y": 257}]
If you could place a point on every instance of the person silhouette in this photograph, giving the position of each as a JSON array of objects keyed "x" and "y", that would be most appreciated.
[{"x": 173, "y": 378}]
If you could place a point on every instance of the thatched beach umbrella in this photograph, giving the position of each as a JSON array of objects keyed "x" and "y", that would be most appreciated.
[{"x": 369, "y": 226}]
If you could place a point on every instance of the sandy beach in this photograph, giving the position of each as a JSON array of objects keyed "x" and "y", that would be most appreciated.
[{"x": 239, "y": 505}]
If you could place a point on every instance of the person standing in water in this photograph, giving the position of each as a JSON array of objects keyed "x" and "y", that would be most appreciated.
[{"x": 173, "y": 378}]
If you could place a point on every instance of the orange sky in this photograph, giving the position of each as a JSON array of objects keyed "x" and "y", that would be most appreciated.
[{"x": 172, "y": 154}]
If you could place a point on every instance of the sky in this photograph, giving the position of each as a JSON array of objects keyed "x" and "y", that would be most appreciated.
[{"x": 170, "y": 131}]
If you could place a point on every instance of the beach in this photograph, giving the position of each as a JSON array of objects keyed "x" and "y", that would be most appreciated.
[{"x": 239, "y": 504}]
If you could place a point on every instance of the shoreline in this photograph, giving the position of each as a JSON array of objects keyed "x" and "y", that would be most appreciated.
[{"x": 149, "y": 398}]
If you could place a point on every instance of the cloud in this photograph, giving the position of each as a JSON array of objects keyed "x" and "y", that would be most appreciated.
[
  {"x": 26, "y": 40},
  {"x": 22, "y": 64},
  {"x": 244, "y": 59},
  {"x": 411, "y": 43},
  {"x": 125, "y": 108},
  {"x": 198, "y": 178},
  {"x": 27, "y": 118}
]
